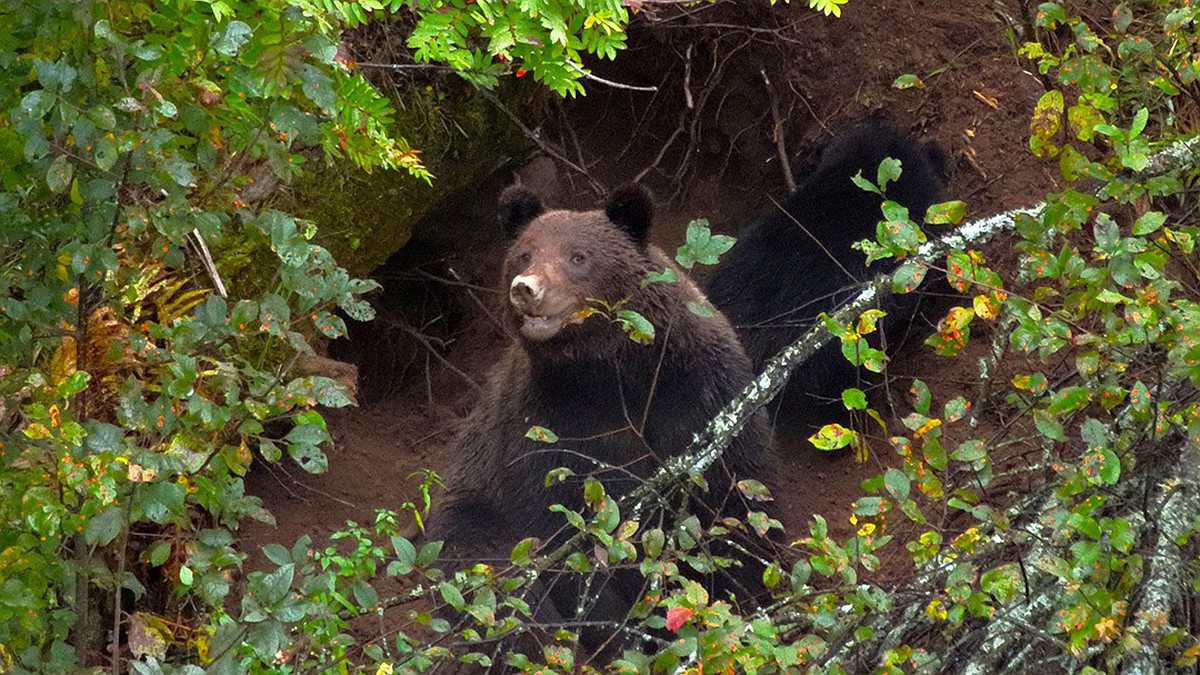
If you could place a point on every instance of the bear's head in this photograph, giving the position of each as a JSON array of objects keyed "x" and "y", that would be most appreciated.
[{"x": 562, "y": 261}]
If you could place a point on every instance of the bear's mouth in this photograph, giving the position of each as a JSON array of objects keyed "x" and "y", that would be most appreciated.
[{"x": 539, "y": 327}]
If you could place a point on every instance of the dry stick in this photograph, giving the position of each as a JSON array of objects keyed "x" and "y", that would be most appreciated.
[
  {"x": 209, "y": 266},
  {"x": 777, "y": 132},
  {"x": 610, "y": 83},
  {"x": 470, "y": 291},
  {"x": 710, "y": 84},
  {"x": 687, "y": 76},
  {"x": 537, "y": 138},
  {"x": 431, "y": 349}
]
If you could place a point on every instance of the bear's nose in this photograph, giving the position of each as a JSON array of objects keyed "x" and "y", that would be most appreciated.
[{"x": 525, "y": 291}]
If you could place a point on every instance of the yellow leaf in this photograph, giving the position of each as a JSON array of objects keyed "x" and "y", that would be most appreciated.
[{"x": 928, "y": 426}]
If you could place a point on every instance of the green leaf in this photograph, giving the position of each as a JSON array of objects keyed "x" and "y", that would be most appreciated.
[
  {"x": 104, "y": 437},
  {"x": 864, "y": 184},
  {"x": 185, "y": 575},
  {"x": 160, "y": 502},
  {"x": 541, "y": 435},
  {"x": 1050, "y": 428},
  {"x": 908, "y": 81},
  {"x": 307, "y": 434},
  {"x": 638, "y": 327},
  {"x": 832, "y": 437},
  {"x": 77, "y": 382},
  {"x": 870, "y": 506},
  {"x": 889, "y": 171},
  {"x": 573, "y": 517},
  {"x": 309, "y": 457},
  {"x": 854, "y": 399},
  {"x": 702, "y": 246},
  {"x": 1068, "y": 400},
  {"x": 156, "y": 554},
  {"x": 1149, "y": 221},
  {"x": 754, "y": 490},
  {"x": 908, "y": 276},
  {"x": 180, "y": 170},
  {"x": 921, "y": 396},
  {"x": 956, "y": 409},
  {"x": 897, "y": 483},
  {"x": 652, "y": 542},
  {"x": 274, "y": 313},
  {"x": 703, "y": 309},
  {"x": 58, "y": 176},
  {"x": 269, "y": 451},
  {"x": 406, "y": 555},
  {"x": 668, "y": 275},
  {"x": 277, "y": 554},
  {"x": 1139, "y": 123},
  {"x": 520, "y": 553},
  {"x": 364, "y": 595},
  {"x": 946, "y": 213},
  {"x": 970, "y": 451},
  {"x": 104, "y": 526},
  {"x": 593, "y": 492},
  {"x": 1109, "y": 467},
  {"x": 1122, "y": 17},
  {"x": 578, "y": 562},
  {"x": 317, "y": 86},
  {"x": 762, "y": 523},
  {"x": 274, "y": 587},
  {"x": 1046, "y": 123},
  {"x": 429, "y": 553},
  {"x": 828, "y": 7},
  {"x": 230, "y": 40},
  {"x": 105, "y": 153}
]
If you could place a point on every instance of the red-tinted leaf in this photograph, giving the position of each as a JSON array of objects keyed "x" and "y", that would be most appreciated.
[{"x": 677, "y": 616}]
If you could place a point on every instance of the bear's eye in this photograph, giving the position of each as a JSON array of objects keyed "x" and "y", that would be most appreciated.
[
  {"x": 578, "y": 258},
  {"x": 524, "y": 258}
]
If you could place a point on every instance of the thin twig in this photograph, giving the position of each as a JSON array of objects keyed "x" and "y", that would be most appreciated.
[
  {"x": 534, "y": 136},
  {"x": 777, "y": 132},
  {"x": 601, "y": 80},
  {"x": 209, "y": 266},
  {"x": 432, "y": 350}
]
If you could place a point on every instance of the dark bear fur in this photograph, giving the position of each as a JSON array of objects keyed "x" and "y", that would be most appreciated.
[
  {"x": 776, "y": 279},
  {"x": 607, "y": 398}
]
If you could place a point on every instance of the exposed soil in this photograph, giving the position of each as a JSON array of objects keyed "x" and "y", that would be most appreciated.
[{"x": 704, "y": 143}]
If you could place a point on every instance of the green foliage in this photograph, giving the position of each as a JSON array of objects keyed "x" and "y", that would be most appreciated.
[
  {"x": 490, "y": 39},
  {"x": 1100, "y": 291},
  {"x": 135, "y": 396},
  {"x": 138, "y": 393}
]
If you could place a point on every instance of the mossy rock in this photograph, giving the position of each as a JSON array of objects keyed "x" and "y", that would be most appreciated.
[{"x": 363, "y": 218}]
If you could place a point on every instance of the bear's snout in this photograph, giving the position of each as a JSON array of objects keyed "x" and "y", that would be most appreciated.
[{"x": 526, "y": 291}]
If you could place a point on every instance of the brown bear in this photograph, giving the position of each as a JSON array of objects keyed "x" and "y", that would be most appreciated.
[
  {"x": 618, "y": 408},
  {"x": 777, "y": 279}
]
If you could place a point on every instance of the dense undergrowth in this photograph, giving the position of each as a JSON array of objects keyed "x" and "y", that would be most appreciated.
[{"x": 138, "y": 388}]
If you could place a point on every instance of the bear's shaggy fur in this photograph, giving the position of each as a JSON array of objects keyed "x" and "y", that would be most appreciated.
[
  {"x": 777, "y": 279},
  {"x": 618, "y": 408}
]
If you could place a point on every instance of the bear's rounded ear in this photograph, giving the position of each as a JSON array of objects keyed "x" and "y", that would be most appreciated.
[
  {"x": 631, "y": 208},
  {"x": 518, "y": 206}
]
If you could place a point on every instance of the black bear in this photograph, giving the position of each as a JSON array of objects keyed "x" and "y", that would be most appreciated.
[
  {"x": 618, "y": 408},
  {"x": 776, "y": 279}
]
